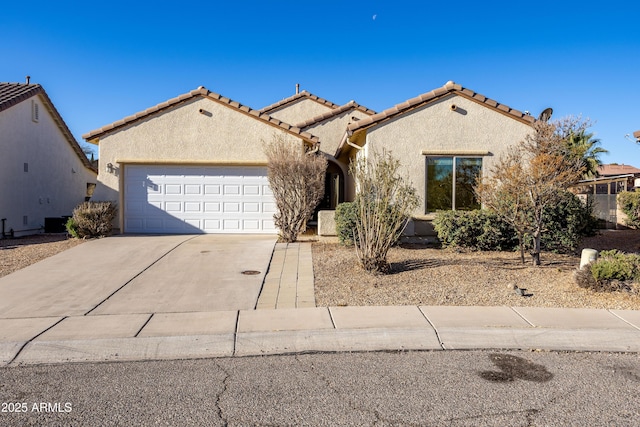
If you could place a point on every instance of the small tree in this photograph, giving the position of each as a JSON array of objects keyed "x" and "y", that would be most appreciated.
[
  {"x": 297, "y": 179},
  {"x": 529, "y": 179},
  {"x": 384, "y": 200}
]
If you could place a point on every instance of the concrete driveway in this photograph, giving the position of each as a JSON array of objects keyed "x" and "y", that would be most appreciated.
[{"x": 141, "y": 274}]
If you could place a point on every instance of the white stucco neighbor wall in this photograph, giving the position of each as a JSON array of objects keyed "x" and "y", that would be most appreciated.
[
  {"x": 56, "y": 180},
  {"x": 331, "y": 131},
  {"x": 299, "y": 111},
  {"x": 472, "y": 127},
  {"x": 183, "y": 135}
]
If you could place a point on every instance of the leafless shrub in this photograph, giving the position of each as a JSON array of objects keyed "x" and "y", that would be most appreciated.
[
  {"x": 384, "y": 200},
  {"x": 92, "y": 219},
  {"x": 296, "y": 178}
]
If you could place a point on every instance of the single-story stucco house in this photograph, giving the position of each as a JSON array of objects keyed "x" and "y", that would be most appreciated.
[
  {"x": 44, "y": 174},
  {"x": 195, "y": 163}
]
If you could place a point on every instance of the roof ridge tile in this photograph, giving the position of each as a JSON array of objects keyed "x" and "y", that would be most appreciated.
[
  {"x": 205, "y": 93},
  {"x": 448, "y": 88},
  {"x": 296, "y": 97},
  {"x": 351, "y": 105}
]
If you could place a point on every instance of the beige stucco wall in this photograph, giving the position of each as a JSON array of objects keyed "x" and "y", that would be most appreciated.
[
  {"x": 332, "y": 131},
  {"x": 56, "y": 181},
  {"x": 299, "y": 111},
  {"x": 472, "y": 127},
  {"x": 183, "y": 135}
]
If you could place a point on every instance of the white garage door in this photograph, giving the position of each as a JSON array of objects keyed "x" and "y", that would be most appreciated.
[{"x": 197, "y": 199}]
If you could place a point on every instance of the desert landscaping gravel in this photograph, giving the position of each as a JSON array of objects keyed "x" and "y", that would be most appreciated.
[
  {"x": 16, "y": 254},
  {"x": 431, "y": 276}
]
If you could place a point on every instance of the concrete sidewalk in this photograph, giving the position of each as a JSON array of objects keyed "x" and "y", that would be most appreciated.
[{"x": 323, "y": 329}]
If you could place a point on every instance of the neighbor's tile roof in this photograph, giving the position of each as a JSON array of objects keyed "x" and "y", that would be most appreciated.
[
  {"x": 205, "y": 93},
  {"x": 349, "y": 106},
  {"x": 302, "y": 95},
  {"x": 615, "y": 170},
  {"x": 14, "y": 93},
  {"x": 449, "y": 88}
]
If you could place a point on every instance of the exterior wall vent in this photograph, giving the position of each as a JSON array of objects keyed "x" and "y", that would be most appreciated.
[
  {"x": 26, "y": 167},
  {"x": 35, "y": 111}
]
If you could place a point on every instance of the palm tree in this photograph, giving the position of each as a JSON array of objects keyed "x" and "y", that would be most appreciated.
[{"x": 584, "y": 147}]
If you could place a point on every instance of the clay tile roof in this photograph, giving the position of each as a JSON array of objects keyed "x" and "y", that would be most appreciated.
[
  {"x": 449, "y": 88},
  {"x": 615, "y": 170},
  {"x": 14, "y": 93},
  {"x": 205, "y": 93},
  {"x": 349, "y": 106},
  {"x": 296, "y": 97}
]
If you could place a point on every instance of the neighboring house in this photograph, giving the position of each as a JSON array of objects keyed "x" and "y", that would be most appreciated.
[
  {"x": 613, "y": 171},
  {"x": 195, "y": 163},
  {"x": 43, "y": 171},
  {"x": 192, "y": 164},
  {"x": 602, "y": 191}
]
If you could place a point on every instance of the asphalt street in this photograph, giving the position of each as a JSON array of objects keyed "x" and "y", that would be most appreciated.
[{"x": 456, "y": 388}]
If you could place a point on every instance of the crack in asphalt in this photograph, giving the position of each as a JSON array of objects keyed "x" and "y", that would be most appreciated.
[
  {"x": 378, "y": 418},
  {"x": 225, "y": 386}
]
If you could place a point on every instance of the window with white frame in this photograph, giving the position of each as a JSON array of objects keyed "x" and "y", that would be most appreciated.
[{"x": 450, "y": 181}]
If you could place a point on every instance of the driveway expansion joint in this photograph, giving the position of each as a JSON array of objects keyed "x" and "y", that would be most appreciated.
[
  {"x": 29, "y": 341},
  {"x": 139, "y": 274}
]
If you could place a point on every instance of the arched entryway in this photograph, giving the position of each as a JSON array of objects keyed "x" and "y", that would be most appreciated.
[{"x": 334, "y": 183}]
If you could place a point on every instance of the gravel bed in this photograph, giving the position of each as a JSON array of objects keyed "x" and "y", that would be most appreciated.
[
  {"x": 430, "y": 276},
  {"x": 18, "y": 253}
]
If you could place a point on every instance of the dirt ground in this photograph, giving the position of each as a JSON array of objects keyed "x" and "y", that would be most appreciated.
[{"x": 429, "y": 276}]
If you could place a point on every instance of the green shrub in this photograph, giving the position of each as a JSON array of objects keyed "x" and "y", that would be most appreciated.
[
  {"x": 629, "y": 202},
  {"x": 616, "y": 265},
  {"x": 72, "y": 228},
  {"x": 92, "y": 219},
  {"x": 565, "y": 224},
  {"x": 479, "y": 230},
  {"x": 346, "y": 222},
  {"x": 612, "y": 271}
]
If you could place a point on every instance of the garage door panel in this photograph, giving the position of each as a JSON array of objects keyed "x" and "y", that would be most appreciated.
[
  {"x": 212, "y": 207},
  {"x": 193, "y": 207},
  {"x": 231, "y": 207},
  {"x": 186, "y": 199},
  {"x": 251, "y": 207},
  {"x": 231, "y": 189},
  {"x": 212, "y": 189}
]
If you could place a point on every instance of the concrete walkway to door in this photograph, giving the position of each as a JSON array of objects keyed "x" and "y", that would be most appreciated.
[{"x": 289, "y": 282}]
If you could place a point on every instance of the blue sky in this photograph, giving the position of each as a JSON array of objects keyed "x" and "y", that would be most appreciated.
[{"x": 102, "y": 61}]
